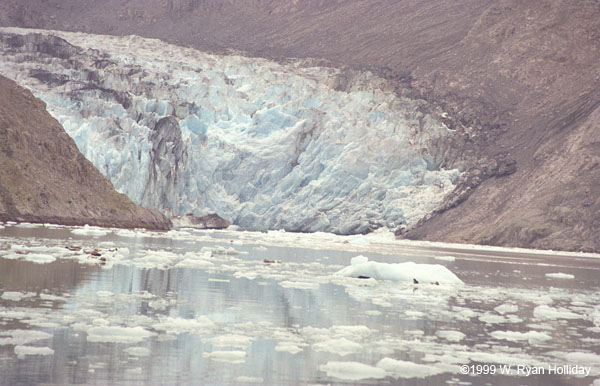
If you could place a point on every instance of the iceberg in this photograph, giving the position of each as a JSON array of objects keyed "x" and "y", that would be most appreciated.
[{"x": 407, "y": 272}]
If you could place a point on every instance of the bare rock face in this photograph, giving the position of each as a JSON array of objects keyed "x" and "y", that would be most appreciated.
[
  {"x": 44, "y": 178},
  {"x": 211, "y": 221}
]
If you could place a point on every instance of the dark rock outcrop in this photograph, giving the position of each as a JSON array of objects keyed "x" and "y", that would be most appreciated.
[
  {"x": 44, "y": 177},
  {"x": 167, "y": 159}
]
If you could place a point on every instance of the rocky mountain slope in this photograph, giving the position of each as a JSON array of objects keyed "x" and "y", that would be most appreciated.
[
  {"x": 519, "y": 80},
  {"x": 44, "y": 178}
]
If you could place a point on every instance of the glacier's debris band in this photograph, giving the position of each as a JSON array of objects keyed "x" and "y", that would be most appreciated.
[{"x": 266, "y": 145}]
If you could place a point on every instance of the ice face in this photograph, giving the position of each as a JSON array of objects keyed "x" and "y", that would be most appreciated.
[{"x": 265, "y": 145}]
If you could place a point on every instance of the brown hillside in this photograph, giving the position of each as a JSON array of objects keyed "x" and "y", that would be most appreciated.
[{"x": 44, "y": 177}]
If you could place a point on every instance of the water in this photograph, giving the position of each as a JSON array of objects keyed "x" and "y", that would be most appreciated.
[{"x": 221, "y": 315}]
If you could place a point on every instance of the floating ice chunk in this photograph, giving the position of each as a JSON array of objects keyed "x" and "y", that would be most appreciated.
[
  {"x": 290, "y": 347},
  {"x": 358, "y": 260},
  {"x": 404, "y": 369},
  {"x": 226, "y": 251},
  {"x": 451, "y": 335},
  {"x": 10, "y": 314},
  {"x": 134, "y": 371},
  {"x": 39, "y": 258},
  {"x": 16, "y": 296},
  {"x": 594, "y": 316},
  {"x": 232, "y": 340},
  {"x": 194, "y": 263},
  {"x": 305, "y": 285},
  {"x": 226, "y": 356},
  {"x": 245, "y": 274},
  {"x": 497, "y": 319},
  {"x": 425, "y": 273},
  {"x": 22, "y": 351},
  {"x": 341, "y": 346},
  {"x": 583, "y": 358},
  {"x": 246, "y": 379},
  {"x": 22, "y": 337},
  {"x": 513, "y": 336},
  {"x": 504, "y": 308},
  {"x": 353, "y": 332},
  {"x": 560, "y": 275},
  {"x": 544, "y": 312},
  {"x": 176, "y": 325},
  {"x": 445, "y": 258},
  {"x": 352, "y": 371},
  {"x": 114, "y": 334},
  {"x": 54, "y": 298},
  {"x": 445, "y": 359},
  {"x": 155, "y": 259},
  {"x": 159, "y": 304},
  {"x": 137, "y": 351},
  {"x": 90, "y": 231},
  {"x": 27, "y": 225},
  {"x": 127, "y": 233}
]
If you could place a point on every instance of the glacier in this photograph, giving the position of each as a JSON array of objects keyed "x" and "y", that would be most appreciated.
[{"x": 293, "y": 145}]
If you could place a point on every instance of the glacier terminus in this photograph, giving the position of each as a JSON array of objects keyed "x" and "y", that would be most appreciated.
[{"x": 293, "y": 145}]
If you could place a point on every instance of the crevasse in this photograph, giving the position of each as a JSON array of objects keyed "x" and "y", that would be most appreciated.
[{"x": 266, "y": 145}]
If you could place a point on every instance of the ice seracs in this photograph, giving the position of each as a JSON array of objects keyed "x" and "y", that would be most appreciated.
[{"x": 262, "y": 144}]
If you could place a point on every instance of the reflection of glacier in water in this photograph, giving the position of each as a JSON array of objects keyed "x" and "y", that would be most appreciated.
[
  {"x": 265, "y": 145},
  {"x": 183, "y": 306}
]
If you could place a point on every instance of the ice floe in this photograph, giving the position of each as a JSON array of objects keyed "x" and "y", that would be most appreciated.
[
  {"x": 514, "y": 336},
  {"x": 404, "y": 369},
  {"x": 23, "y": 351},
  {"x": 408, "y": 272},
  {"x": 177, "y": 325},
  {"x": 16, "y": 296},
  {"x": 544, "y": 312},
  {"x": 87, "y": 230},
  {"x": 560, "y": 275},
  {"x": 116, "y": 334},
  {"x": 138, "y": 351},
  {"x": 451, "y": 335},
  {"x": 340, "y": 346},
  {"x": 226, "y": 356},
  {"x": 352, "y": 371},
  {"x": 506, "y": 308}
]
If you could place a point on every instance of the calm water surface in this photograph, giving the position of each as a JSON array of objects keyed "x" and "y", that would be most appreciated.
[{"x": 194, "y": 308}]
